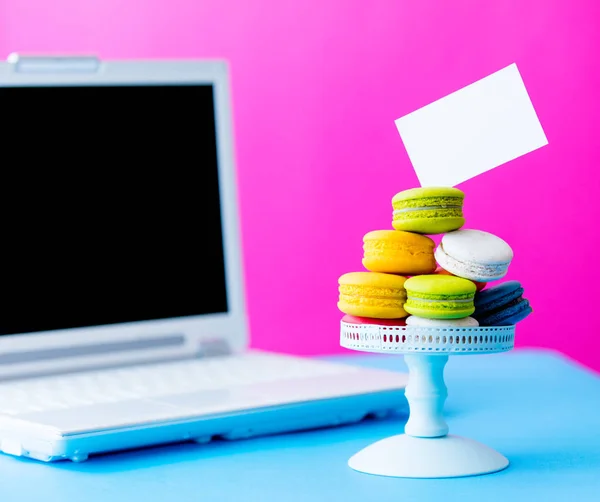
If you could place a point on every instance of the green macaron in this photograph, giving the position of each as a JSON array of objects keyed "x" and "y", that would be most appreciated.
[
  {"x": 439, "y": 296},
  {"x": 429, "y": 210}
]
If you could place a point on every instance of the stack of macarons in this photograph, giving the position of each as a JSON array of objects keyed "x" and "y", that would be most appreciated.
[{"x": 410, "y": 281}]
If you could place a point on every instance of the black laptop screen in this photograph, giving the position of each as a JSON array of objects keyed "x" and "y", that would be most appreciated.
[{"x": 110, "y": 206}]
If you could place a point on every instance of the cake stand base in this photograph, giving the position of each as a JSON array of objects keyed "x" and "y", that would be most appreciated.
[{"x": 406, "y": 456}]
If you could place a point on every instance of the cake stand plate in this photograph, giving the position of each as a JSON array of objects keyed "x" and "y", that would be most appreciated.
[{"x": 426, "y": 450}]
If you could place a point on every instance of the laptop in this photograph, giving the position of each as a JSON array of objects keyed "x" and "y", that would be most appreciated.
[{"x": 123, "y": 321}]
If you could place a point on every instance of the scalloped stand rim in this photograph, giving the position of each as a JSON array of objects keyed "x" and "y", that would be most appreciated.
[{"x": 411, "y": 339}]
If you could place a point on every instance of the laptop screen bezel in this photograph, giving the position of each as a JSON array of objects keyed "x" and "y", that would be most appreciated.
[{"x": 230, "y": 326}]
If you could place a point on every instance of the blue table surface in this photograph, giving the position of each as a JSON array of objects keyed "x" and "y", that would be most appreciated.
[{"x": 537, "y": 408}]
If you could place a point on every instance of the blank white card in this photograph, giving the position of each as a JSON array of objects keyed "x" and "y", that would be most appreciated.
[{"x": 473, "y": 130}]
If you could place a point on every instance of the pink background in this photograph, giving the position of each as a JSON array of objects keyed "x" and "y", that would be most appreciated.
[{"x": 317, "y": 86}]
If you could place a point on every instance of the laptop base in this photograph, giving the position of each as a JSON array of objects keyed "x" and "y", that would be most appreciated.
[{"x": 234, "y": 426}]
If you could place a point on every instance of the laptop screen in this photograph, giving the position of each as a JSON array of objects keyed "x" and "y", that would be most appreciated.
[{"x": 110, "y": 206}]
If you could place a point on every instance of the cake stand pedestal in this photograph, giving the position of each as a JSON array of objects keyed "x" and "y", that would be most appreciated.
[{"x": 426, "y": 450}]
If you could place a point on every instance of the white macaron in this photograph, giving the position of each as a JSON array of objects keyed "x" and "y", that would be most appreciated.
[{"x": 474, "y": 255}]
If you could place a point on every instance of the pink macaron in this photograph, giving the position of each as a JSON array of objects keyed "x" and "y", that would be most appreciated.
[{"x": 350, "y": 319}]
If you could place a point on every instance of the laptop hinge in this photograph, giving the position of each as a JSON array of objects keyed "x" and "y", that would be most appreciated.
[
  {"x": 97, "y": 349},
  {"x": 214, "y": 347}
]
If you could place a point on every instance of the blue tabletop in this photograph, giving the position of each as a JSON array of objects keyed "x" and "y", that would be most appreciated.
[{"x": 537, "y": 408}]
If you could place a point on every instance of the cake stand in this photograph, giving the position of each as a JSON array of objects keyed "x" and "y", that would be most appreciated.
[{"x": 426, "y": 450}]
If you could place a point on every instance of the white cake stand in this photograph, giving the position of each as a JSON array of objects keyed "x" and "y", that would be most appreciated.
[{"x": 426, "y": 450}]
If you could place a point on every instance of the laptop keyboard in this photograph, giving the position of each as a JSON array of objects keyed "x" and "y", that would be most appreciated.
[{"x": 154, "y": 381}]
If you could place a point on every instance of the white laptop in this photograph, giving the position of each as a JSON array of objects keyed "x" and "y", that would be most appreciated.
[{"x": 123, "y": 319}]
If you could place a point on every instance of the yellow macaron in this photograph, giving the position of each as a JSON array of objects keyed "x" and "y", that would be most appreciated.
[
  {"x": 372, "y": 294},
  {"x": 398, "y": 252}
]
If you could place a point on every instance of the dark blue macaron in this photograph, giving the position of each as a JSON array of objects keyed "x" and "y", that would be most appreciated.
[{"x": 501, "y": 305}]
